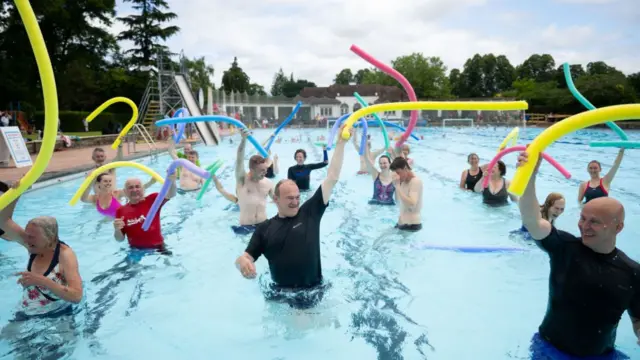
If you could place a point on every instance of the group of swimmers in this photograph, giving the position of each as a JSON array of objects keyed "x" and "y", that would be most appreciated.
[{"x": 591, "y": 281}]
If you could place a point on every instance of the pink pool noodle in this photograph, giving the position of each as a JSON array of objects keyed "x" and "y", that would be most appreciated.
[
  {"x": 413, "y": 119},
  {"x": 504, "y": 152}
]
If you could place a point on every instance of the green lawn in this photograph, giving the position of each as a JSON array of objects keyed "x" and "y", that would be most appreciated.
[{"x": 78, "y": 134}]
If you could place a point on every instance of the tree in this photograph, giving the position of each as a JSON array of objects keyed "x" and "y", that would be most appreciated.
[
  {"x": 279, "y": 81},
  {"x": 344, "y": 77},
  {"x": 292, "y": 88},
  {"x": 200, "y": 73},
  {"x": 235, "y": 79},
  {"x": 427, "y": 75},
  {"x": 576, "y": 72},
  {"x": 634, "y": 82},
  {"x": 145, "y": 30},
  {"x": 455, "y": 81},
  {"x": 360, "y": 75},
  {"x": 255, "y": 89},
  {"x": 540, "y": 68},
  {"x": 78, "y": 46}
]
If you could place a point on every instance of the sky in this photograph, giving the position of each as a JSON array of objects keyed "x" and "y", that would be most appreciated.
[{"x": 312, "y": 38}]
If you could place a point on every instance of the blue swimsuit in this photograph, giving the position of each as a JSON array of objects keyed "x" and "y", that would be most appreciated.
[{"x": 382, "y": 194}]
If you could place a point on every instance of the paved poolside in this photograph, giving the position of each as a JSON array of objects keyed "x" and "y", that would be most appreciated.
[{"x": 70, "y": 161}]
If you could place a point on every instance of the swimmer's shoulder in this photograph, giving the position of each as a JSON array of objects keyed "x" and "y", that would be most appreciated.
[{"x": 628, "y": 263}]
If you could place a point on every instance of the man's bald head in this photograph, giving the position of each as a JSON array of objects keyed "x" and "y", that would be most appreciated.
[
  {"x": 134, "y": 190},
  {"x": 610, "y": 208},
  {"x": 287, "y": 198},
  {"x": 132, "y": 181}
]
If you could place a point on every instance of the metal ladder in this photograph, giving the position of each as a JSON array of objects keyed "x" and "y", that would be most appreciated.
[{"x": 132, "y": 140}]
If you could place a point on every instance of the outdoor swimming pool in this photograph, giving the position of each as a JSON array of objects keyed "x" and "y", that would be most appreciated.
[{"x": 388, "y": 300}]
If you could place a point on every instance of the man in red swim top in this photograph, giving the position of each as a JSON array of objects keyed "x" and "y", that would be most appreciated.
[{"x": 130, "y": 217}]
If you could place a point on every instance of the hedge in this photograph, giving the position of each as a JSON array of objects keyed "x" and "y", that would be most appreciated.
[{"x": 71, "y": 121}]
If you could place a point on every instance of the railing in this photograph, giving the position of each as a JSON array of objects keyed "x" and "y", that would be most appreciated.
[{"x": 139, "y": 129}]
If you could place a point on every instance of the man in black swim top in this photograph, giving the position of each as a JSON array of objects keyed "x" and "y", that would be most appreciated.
[
  {"x": 291, "y": 240},
  {"x": 591, "y": 282},
  {"x": 300, "y": 172}
]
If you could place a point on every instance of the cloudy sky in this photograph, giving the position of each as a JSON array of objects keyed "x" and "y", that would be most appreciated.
[{"x": 312, "y": 38}]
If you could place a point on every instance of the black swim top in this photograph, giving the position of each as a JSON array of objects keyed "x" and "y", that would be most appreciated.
[
  {"x": 594, "y": 193},
  {"x": 588, "y": 293},
  {"x": 1, "y": 232},
  {"x": 497, "y": 199},
  {"x": 471, "y": 180},
  {"x": 270, "y": 173}
]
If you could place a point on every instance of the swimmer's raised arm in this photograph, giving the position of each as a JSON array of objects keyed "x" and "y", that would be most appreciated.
[
  {"x": 172, "y": 150},
  {"x": 86, "y": 195},
  {"x": 333, "y": 173},
  {"x": 507, "y": 184},
  {"x": 538, "y": 227},
  {"x": 607, "y": 179},
  {"x": 371, "y": 168},
  {"x": 12, "y": 231},
  {"x": 224, "y": 192},
  {"x": 581, "y": 190},
  {"x": 276, "y": 167},
  {"x": 241, "y": 173},
  {"x": 478, "y": 187},
  {"x": 173, "y": 189}
]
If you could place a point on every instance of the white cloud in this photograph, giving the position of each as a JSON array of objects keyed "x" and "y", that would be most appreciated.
[{"x": 312, "y": 39}]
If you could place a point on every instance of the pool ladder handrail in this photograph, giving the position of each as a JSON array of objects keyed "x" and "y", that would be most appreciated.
[{"x": 148, "y": 139}]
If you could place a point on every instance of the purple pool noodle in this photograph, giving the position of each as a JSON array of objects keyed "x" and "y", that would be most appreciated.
[
  {"x": 336, "y": 126},
  {"x": 470, "y": 249},
  {"x": 165, "y": 187},
  {"x": 177, "y": 137}
]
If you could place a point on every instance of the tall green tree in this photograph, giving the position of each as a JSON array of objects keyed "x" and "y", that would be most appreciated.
[
  {"x": 146, "y": 30},
  {"x": 200, "y": 73},
  {"x": 540, "y": 68},
  {"x": 235, "y": 79},
  {"x": 78, "y": 45},
  {"x": 256, "y": 89},
  {"x": 279, "y": 81},
  {"x": 344, "y": 77},
  {"x": 360, "y": 75},
  {"x": 293, "y": 87}
]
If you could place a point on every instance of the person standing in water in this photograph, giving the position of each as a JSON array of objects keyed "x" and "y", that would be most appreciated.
[
  {"x": 300, "y": 173},
  {"x": 551, "y": 210},
  {"x": 290, "y": 241},
  {"x": 130, "y": 217},
  {"x": 596, "y": 186},
  {"x": 383, "y": 187},
  {"x": 252, "y": 189},
  {"x": 107, "y": 198},
  {"x": 495, "y": 194},
  {"x": 409, "y": 193},
  {"x": 591, "y": 282},
  {"x": 471, "y": 176},
  {"x": 52, "y": 281},
  {"x": 188, "y": 180}
]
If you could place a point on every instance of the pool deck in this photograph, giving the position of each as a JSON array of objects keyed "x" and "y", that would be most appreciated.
[{"x": 71, "y": 161}]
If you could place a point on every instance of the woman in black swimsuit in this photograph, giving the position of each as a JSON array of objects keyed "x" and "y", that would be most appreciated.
[
  {"x": 471, "y": 176},
  {"x": 496, "y": 193},
  {"x": 598, "y": 187}
]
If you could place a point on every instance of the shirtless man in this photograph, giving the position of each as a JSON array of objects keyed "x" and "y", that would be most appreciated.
[
  {"x": 252, "y": 189},
  {"x": 408, "y": 193},
  {"x": 188, "y": 180}
]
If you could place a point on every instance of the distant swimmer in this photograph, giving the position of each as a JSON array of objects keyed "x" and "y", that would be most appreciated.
[
  {"x": 471, "y": 176},
  {"x": 383, "y": 186},
  {"x": 290, "y": 241},
  {"x": 409, "y": 193},
  {"x": 130, "y": 217},
  {"x": 99, "y": 157},
  {"x": 591, "y": 282},
  {"x": 107, "y": 198},
  {"x": 300, "y": 173},
  {"x": 252, "y": 189},
  {"x": 495, "y": 194},
  {"x": 596, "y": 186},
  {"x": 188, "y": 180}
]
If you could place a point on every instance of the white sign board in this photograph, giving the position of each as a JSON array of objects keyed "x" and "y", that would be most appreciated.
[{"x": 12, "y": 139}]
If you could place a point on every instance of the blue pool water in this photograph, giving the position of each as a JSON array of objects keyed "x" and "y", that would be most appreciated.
[{"x": 388, "y": 299}]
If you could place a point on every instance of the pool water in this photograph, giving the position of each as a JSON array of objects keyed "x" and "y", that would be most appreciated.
[{"x": 388, "y": 299}]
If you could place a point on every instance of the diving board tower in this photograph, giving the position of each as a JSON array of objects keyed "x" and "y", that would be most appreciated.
[{"x": 168, "y": 90}]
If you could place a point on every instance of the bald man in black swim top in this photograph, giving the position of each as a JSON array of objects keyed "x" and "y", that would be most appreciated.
[
  {"x": 591, "y": 282},
  {"x": 291, "y": 240}
]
